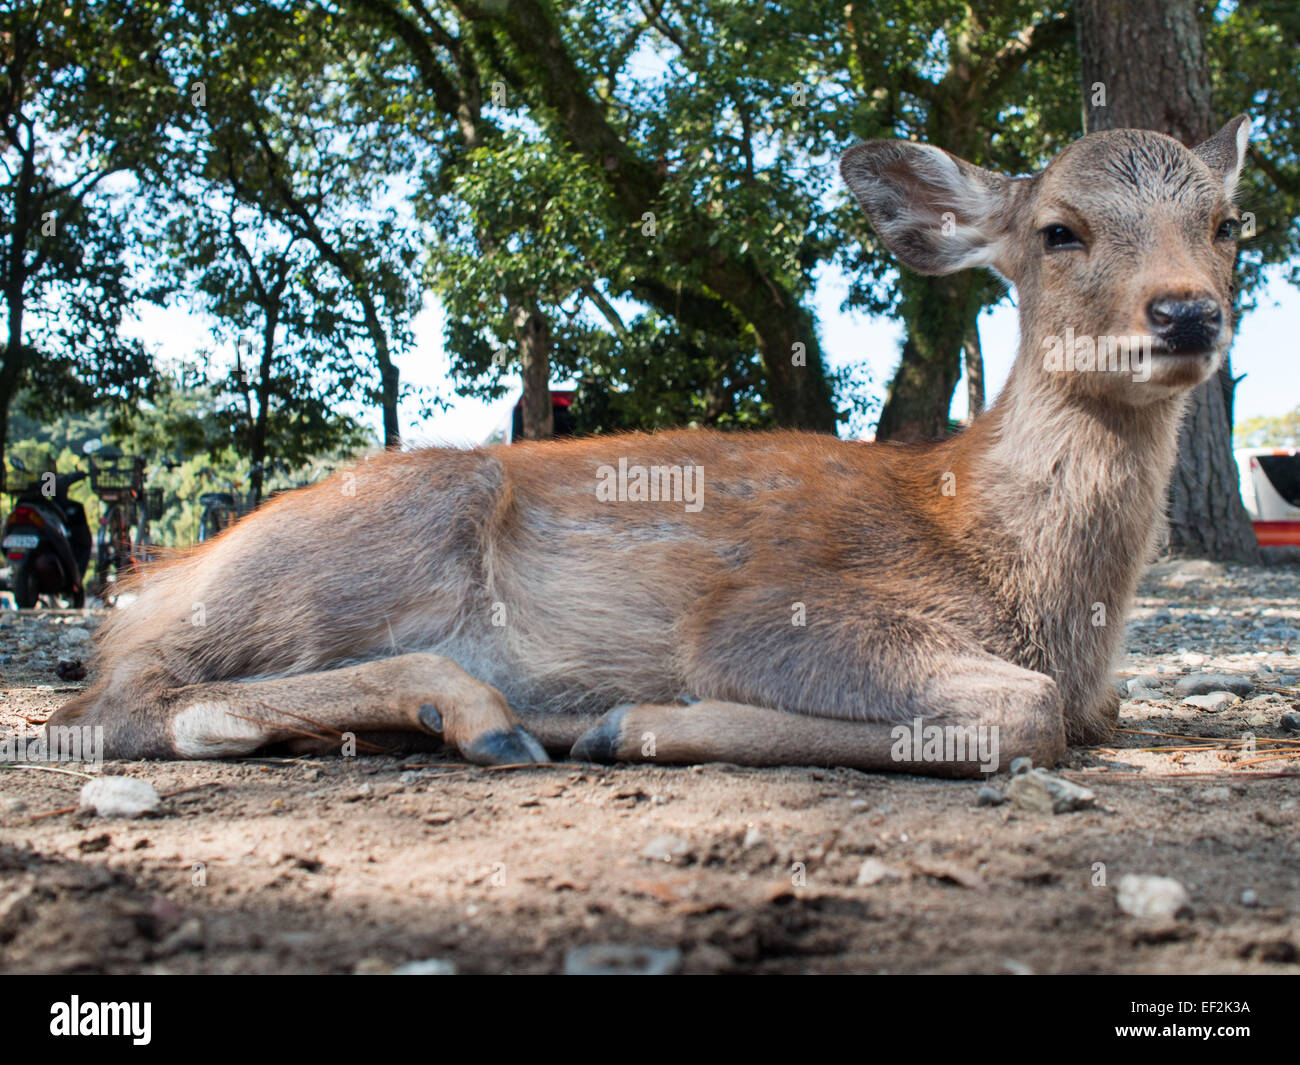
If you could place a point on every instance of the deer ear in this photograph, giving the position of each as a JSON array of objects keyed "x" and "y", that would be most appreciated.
[
  {"x": 938, "y": 214},
  {"x": 1225, "y": 152}
]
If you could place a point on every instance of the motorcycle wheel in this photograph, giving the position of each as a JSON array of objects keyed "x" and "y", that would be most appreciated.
[{"x": 26, "y": 590}]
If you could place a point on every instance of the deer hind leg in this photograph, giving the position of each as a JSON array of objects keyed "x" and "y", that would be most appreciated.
[
  {"x": 406, "y": 693},
  {"x": 986, "y": 712}
]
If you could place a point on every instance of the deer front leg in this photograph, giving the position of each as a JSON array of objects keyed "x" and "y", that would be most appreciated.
[
  {"x": 409, "y": 693},
  {"x": 973, "y": 719},
  {"x": 1100, "y": 720}
]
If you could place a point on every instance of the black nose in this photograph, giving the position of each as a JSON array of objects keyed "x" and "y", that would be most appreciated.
[{"x": 1185, "y": 326}]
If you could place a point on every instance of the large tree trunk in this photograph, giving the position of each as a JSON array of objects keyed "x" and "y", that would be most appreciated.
[
  {"x": 534, "y": 333},
  {"x": 787, "y": 344},
  {"x": 1144, "y": 67},
  {"x": 940, "y": 313}
]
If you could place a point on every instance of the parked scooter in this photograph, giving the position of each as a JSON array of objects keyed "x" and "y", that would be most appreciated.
[{"x": 46, "y": 540}]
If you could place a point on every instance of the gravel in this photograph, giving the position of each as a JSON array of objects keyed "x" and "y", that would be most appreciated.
[{"x": 1213, "y": 702}]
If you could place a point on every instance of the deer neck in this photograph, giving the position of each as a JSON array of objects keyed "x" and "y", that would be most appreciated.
[{"x": 1068, "y": 494}]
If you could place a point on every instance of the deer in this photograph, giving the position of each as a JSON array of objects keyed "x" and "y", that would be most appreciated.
[{"x": 762, "y": 599}]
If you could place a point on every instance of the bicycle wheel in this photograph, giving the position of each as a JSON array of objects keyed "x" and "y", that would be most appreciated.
[
  {"x": 144, "y": 535},
  {"x": 113, "y": 555}
]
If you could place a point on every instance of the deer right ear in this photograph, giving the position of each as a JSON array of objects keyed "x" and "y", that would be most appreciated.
[{"x": 938, "y": 214}]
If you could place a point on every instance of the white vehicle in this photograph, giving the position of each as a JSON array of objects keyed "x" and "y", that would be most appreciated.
[{"x": 1270, "y": 489}]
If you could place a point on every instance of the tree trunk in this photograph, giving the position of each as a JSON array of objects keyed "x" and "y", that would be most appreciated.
[
  {"x": 257, "y": 442},
  {"x": 940, "y": 313},
  {"x": 1144, "y": 66},
  {"x": 15, "y": 288},
  {"x": 791, "y": 356},
  {"x": 974, "y": 355},
  {"x": 10, "y": 371},
  {"x": 389, "y": 375},
  {"x": 11, "y": 366},
  {"x": 534, "y": 333}
]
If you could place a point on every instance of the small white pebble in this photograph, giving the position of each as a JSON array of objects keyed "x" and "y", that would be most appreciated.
[{"x": 119, "y": 797}]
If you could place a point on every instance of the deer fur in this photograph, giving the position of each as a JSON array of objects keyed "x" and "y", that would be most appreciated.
[{"x": 489, "y": 598}]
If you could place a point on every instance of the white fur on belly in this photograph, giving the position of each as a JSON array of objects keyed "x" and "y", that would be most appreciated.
[{"x": 207, "y": 730}]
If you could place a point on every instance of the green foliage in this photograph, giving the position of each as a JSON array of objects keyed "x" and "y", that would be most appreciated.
[
  {"x": 283, "y": 205},
  {"x": 520, "y": 220},
  {"x": 1254, "y": 52},
  {"x": 995, "y": 83},
  {"x": 524, "y": 220},
  {"x": 698, "y": 380},
  {"x": 276, "y": 303},
  {"x": 1281, "y": 431},
  {"x": 82, "y": 100}
]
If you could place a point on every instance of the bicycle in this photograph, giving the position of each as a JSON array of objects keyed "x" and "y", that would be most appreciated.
[
  {"x": 220, "y": 509},
  {"x": 130, "y": 506}
]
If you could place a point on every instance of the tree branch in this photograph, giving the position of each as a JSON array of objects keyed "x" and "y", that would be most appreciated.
[
  {"x": 1287, "y": 183},
  {"x": 431, "y": 71},
  {"x": 1011, "y": 58},
  {"x": 606, "y": 309}
]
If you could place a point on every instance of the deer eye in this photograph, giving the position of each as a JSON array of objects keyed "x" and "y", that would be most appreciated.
[
  {"x": 1058, "y": 236},
  {"x": 1229, "y": 229}
]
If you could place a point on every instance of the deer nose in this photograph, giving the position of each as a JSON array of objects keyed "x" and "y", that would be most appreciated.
[{"x": 1185, "y": 326}]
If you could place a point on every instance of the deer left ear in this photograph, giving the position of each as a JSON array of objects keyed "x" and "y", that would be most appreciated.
[
  {"x": 938, "y": 214},
  {"x": 1225, "y": 152}
]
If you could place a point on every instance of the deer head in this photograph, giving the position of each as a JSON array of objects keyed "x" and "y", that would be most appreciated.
[{"x": 1121, "y": 250}]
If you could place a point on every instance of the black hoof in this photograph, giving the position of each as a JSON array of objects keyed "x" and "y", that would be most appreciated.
[
  {"x": 505, "y": 747},
  {"x": 430, "y": 718},
  {"x": 600, "y": 742}
]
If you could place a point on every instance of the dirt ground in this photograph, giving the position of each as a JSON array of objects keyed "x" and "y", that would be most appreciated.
[{"x": 364, "y": 865}]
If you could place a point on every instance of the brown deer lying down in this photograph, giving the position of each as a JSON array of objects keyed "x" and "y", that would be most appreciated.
[{"x": 774, "y": 598}]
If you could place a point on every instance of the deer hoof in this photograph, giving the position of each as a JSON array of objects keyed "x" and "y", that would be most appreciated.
[
  {"x": 600, "y": 742},
  {"x": 504, "y": 747},
  {"x": 430, "y": 718}
]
